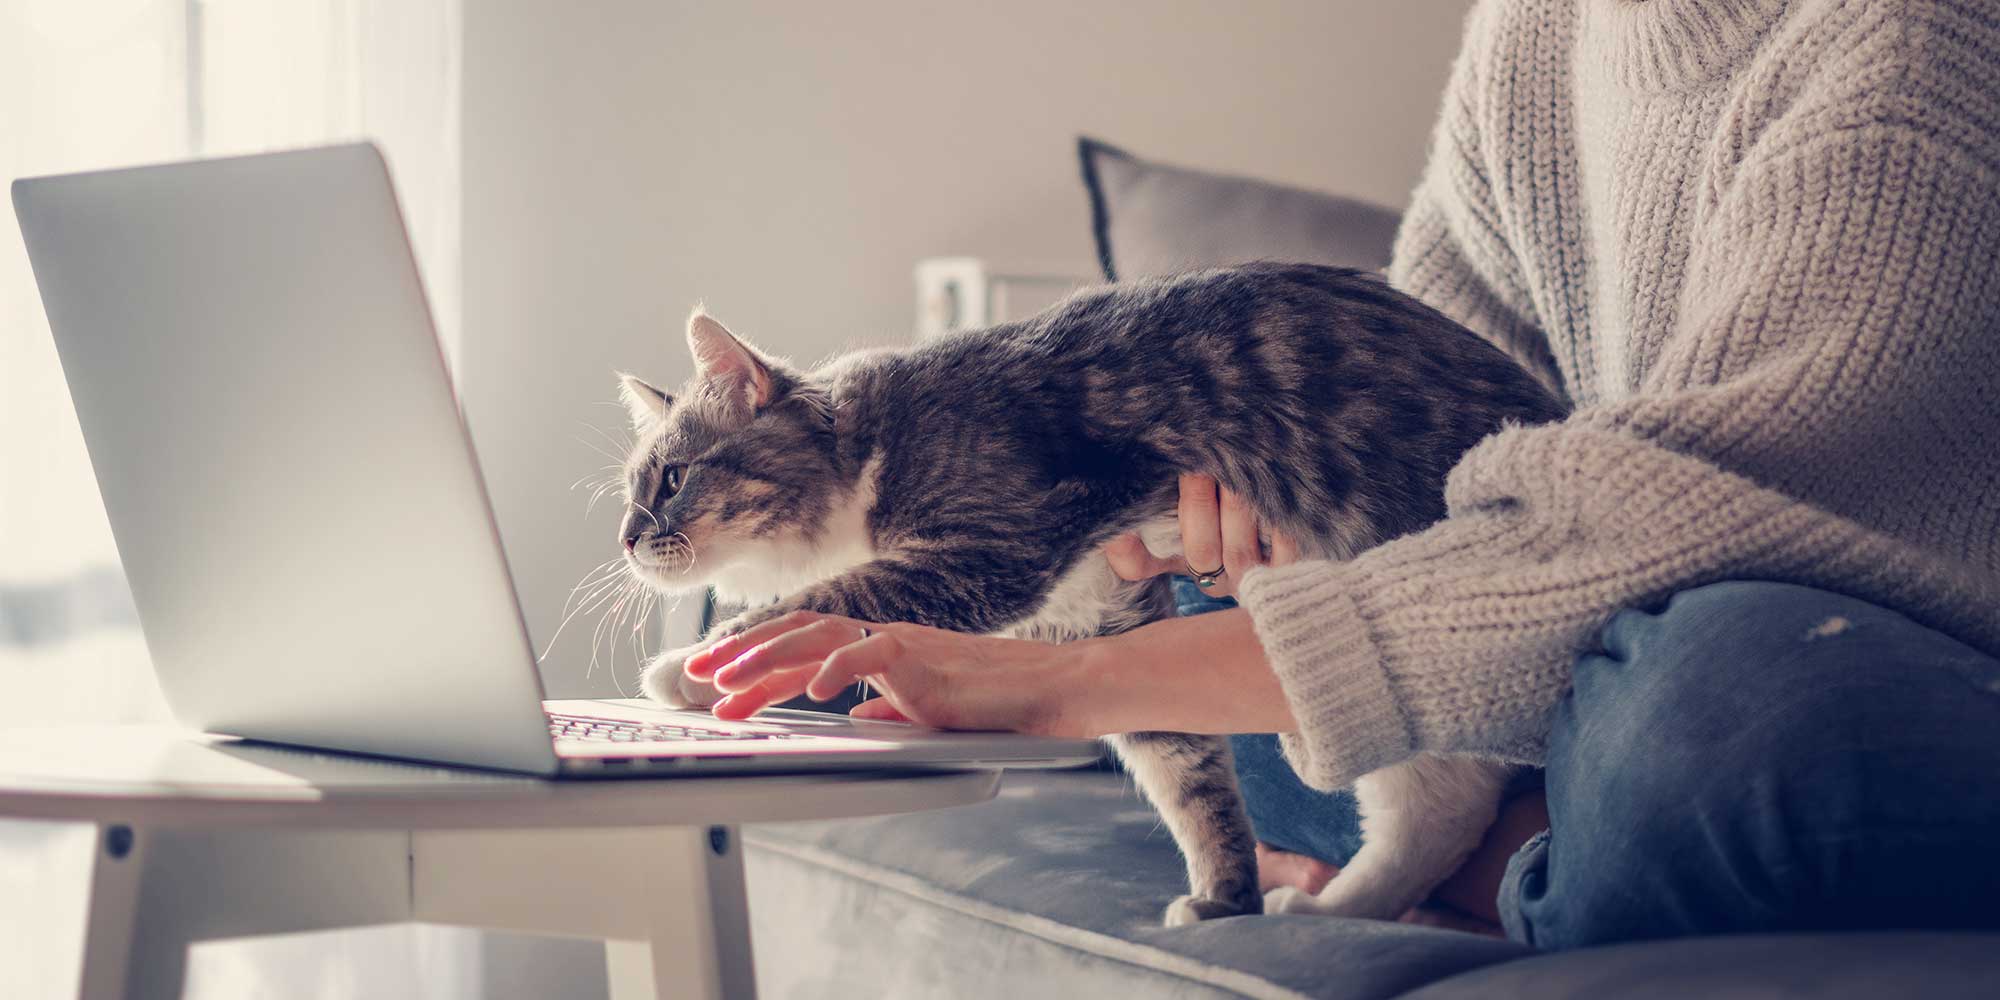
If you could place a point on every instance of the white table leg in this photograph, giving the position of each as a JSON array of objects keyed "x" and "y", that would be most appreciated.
[
  {"x": 201, "y": 885},
  {"x": 669, "y": 902},
  {"x": 113, "y": 873},
  {"x": 153, "y": 894}
]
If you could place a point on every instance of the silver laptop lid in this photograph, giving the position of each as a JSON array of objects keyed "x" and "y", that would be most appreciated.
[{"x": 293, "y": 493}]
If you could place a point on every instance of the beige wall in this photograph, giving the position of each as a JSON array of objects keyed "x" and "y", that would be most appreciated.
[{"x": 788, "y": 163}]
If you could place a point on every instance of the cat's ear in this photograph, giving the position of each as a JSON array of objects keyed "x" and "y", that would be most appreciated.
[
  {"x": 721, "y": 358},
  {"x": 647, "y": 404}
]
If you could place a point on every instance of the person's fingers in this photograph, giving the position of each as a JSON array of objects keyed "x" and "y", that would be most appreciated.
[
  {"x": 701, "y": 663},
  {"x": 802, "y": 646},
  {"x": 1241, "y": 552},
  {"x": 1284, "y": 551},
  {"x": 1132, "y": 560},
  {"x": 872, "y": 657},
  {"x": 744, "y": 704},
  {"x": 878, "y": 708},
  {"x": 704, "y": 663},
  {"x": 1201, "y": 523}
]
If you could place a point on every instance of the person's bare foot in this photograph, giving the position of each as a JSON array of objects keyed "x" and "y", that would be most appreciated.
[
  {"x": 1280, "y": 868},
  {"x": 1309, "y": 874},
  {"x": 1465, "y": 902}
]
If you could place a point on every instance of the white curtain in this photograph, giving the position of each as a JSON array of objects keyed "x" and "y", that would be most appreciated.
[{"x": 98, "y": 83}]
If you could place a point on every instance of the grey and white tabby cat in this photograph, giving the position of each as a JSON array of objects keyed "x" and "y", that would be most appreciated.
[{"x": 967, "y": 483}]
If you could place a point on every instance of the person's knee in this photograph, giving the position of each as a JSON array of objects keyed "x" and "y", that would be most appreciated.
[
  {"x": 1731, "y": 632},
  {"x": 1721, "y": 667},
  {"x": 1723, "y": 682},
  {"x": 1709, "y": 733}
]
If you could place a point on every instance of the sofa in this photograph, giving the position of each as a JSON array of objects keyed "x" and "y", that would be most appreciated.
[{"x": 1056, "y": 888}]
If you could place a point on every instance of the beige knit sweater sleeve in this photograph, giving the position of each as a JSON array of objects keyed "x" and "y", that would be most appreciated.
[{"x": 1824, "y": 409}]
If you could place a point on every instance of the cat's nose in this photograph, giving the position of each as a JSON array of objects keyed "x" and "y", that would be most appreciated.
[{"x": 632, "y": 534}]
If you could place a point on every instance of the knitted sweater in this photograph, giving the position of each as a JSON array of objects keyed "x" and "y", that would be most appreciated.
[{"x": 1757, "y": 244}]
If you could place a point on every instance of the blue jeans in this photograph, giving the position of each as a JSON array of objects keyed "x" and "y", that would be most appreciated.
[
  {"x": 1283, "y": 811},
  {"x": 1751, "y": 757}
]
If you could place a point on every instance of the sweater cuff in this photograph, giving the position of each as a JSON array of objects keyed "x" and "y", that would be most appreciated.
[{"x": 1330, "y": 667}]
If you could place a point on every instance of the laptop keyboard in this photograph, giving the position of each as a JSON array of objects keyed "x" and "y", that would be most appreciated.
[{"x": 584, "y": 727}]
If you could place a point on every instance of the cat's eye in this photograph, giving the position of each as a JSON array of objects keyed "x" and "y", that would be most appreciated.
[{"x": 673, "y": 478}]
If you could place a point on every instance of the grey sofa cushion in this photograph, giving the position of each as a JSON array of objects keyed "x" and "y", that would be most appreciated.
[
  {"x": 1057, "y": 886},
  {"x": 1857, "y": 966},
  {"x": 1152, "y": 219},
  {"x": 1055, "y": 889}
]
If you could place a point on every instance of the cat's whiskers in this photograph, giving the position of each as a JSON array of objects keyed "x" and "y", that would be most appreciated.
[
  {"x": 599, "y": 634},
  {"x": 607, "y": 623},
  {"x": 601, "y": 474},
  {"x": 622, "y": 444},
  {"x": 613, "y": 589},
  {"x": 599, "y": 486},
  {"x": 682, "y": 543},
  {"x": 606, "y": 570},
  {"x": 624, "y": 447},
  {"x": 648, "y": 599},
  {"x": 603, "y": 489},
  {"x": 599, "y": 577},
  {"x": 592, "y": 445},
  {"x": 590, "y": 602},
  {"x": 596, "y": 635}
]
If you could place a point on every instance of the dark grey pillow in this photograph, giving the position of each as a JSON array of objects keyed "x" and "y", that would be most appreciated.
[{"x": 1155, "y": 219}]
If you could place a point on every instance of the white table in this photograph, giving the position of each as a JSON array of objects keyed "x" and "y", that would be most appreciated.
[{"x": 186, "y": 838}]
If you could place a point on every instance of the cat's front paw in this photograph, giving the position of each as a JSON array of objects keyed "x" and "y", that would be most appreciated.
[
  {"x": 1194, "y": 909},
  {"x": 665, "y": 682}
]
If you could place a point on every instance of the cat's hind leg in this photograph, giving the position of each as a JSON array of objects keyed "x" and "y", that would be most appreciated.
[
  {"x": 1420, "y": 819},
  {"x": 1191, "y": 780}
]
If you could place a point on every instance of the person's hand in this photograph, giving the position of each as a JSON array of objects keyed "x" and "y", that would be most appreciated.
[
  {"x": 1219, "y": 530},
  {"x": 947, "y": 680}
]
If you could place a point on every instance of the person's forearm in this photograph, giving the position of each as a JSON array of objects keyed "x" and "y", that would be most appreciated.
[{"x": 1204, "y": 674}]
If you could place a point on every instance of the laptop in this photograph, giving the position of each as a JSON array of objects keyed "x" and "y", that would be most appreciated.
[{"x": 297, "y": 503}]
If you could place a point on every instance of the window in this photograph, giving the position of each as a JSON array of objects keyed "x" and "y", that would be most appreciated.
[{"x": 118, "y": 82}]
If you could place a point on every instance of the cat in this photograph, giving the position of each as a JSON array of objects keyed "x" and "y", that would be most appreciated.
[{"x": 968, "y": 482}]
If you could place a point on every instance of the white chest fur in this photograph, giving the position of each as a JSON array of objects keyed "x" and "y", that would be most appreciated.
[
  {"x": 767, "y": 569},
  {"x": 1087, "y": 597}
]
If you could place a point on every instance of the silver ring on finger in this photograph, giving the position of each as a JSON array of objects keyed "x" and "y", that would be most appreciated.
[{"x": 1210, "y": 578}]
